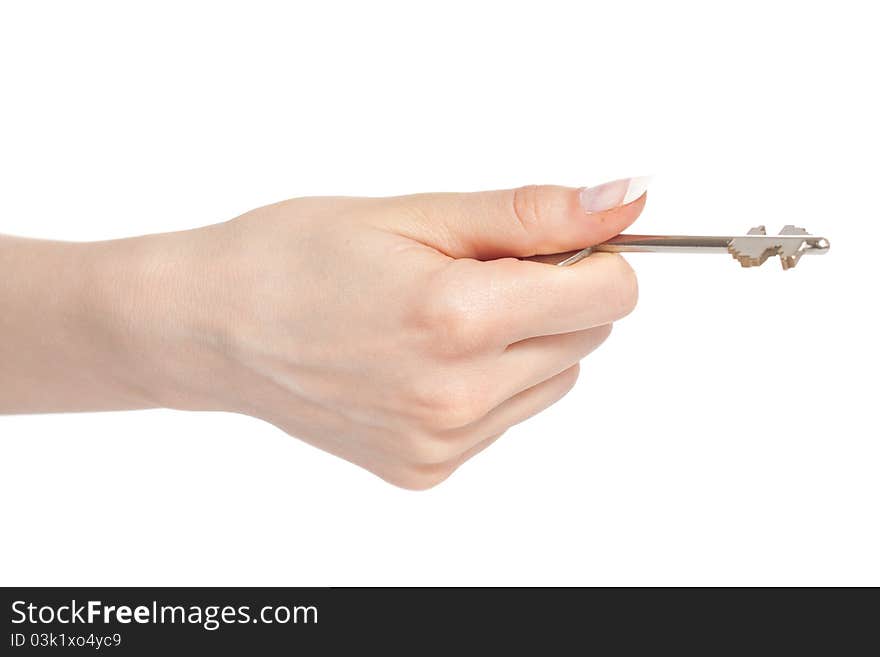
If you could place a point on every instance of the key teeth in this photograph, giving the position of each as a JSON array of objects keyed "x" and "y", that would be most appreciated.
[
  {"x": 748, "y": 256},
  {"x": 788, "y": 262},
  {"x": 753, "y": 261}
]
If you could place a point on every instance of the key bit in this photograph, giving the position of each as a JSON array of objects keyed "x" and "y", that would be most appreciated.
[{"x": 750, "y": 250}]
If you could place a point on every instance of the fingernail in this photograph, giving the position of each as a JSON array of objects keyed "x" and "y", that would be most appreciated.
[{"x": 613, "y": 194}]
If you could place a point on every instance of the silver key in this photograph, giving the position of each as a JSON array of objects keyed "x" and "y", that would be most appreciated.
[{"x": 751, "y": 249}]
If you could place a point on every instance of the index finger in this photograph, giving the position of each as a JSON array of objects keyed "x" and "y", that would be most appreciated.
[{"x": 524, "y": 299}]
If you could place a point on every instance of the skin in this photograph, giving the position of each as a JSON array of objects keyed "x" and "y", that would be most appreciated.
[{"x": 403, "y": 334}]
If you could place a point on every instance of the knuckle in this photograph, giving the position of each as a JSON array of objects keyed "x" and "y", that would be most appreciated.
[
  {"x": 427, "y": 449},
  {"x": 448, "y": 404},
  {"x": 419, "y": 477},
  {"x": 451, "y": 321},
  {"x": 458, "y": 330},
  {"x": 533, "y": 206},
  {"x": 461, "y": 407},
  {"x": 527, "y": 206},
  {"x": 570, "y": 377},
  {"x": 603, "y": 331}
]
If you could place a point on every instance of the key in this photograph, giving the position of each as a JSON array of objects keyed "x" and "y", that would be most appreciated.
[{"x": 751, "y": 250}]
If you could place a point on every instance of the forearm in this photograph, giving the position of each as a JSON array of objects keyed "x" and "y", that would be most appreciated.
[{"x": 66, "y": 337}]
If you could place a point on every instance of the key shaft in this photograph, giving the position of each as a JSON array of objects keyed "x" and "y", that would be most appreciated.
[{"x": 732, "y": 245}]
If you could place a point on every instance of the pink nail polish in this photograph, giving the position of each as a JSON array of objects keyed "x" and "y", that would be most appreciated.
[{"x": 613, "y": 194}]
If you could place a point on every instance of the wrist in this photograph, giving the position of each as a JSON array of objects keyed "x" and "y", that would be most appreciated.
[
  {"x": 110, "y": 309},
  {"x": 154, "y": 301}
]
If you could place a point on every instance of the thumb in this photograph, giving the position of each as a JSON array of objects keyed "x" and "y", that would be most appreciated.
[{"x": 527, "y": 221}]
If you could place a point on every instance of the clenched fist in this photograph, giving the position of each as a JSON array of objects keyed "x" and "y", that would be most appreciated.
[{"x": 403, "y": 334}]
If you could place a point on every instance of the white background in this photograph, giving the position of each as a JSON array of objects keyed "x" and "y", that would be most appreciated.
[{"x": 725, "y": 434}]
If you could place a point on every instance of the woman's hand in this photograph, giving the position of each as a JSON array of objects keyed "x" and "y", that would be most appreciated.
[{"x": 403, "y": 334}]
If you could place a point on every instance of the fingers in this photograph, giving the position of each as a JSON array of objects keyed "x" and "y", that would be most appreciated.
[
  {"x": 518, "y": 408},
  {"x": 521, "y": 222},
  {"x": 501, "y": 302},
  {"x": 529, "y": 362},
  {"x": 427, "y": 461},
  {"x": 428, "y": 475},
  {"x": 542, "y": 299}
]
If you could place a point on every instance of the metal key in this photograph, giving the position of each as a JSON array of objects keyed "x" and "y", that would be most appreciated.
[{"x": 751, "y": 249}]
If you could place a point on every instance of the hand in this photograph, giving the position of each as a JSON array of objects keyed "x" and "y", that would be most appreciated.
[{"x": 402, "y": 334}]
